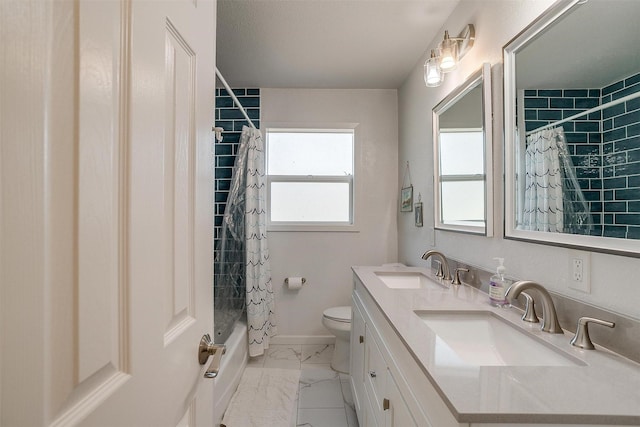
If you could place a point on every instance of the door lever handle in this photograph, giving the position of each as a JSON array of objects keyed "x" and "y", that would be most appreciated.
[{"x": 208, "y": 348}]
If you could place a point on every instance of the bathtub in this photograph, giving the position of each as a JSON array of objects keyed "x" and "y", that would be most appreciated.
[{"x": 232, "y": 365}]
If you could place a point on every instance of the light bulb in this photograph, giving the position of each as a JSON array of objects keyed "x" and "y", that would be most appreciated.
[
  {"x": 432, "y": 75},
  {"x": 448, "y": 54}
]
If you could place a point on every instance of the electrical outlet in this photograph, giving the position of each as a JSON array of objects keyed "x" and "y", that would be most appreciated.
[
  {"x": 577, "y": 271},
  {"x": 580, "y": 271}
]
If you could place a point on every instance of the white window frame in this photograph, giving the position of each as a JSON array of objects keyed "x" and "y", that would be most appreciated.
[
  {"x": 348, "y": 226},
  {"x": 442, "y": 178}
]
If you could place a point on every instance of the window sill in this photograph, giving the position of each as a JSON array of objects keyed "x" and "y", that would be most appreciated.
[{"x": 313, "y": 228}]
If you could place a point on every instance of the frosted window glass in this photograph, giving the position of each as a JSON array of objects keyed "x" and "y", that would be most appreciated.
[
  {"x": 461, "y": 153},
  {"x": 310, "y": 153},
  {"x": 462, "y": 201},
  {"x": 310, "y": 202}
]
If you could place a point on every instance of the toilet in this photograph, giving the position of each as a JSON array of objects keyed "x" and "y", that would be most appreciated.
[{"x": 338, "y": 321}]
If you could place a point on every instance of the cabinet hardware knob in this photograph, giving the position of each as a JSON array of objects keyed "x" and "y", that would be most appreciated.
[
  {"x": 361, "y": 339},
  {"x": 385, "y": 404},
  {"x": 372, "y": 374}
]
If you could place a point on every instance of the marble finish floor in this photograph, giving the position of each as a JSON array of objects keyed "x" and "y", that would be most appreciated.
[{"x": 324, "y": 396}]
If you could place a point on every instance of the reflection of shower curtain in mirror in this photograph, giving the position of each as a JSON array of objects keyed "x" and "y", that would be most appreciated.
[{"x": 553, "y": 200}]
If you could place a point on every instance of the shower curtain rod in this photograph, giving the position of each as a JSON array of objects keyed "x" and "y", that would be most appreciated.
[
  {"x": 235, "y": 99},
  {"x": 589, "y": 111}
]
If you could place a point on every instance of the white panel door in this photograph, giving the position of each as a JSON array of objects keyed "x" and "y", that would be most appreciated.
[{"x": 106, "y": 211}]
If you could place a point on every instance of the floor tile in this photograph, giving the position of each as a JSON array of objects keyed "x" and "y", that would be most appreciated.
[
  {"x": 322, "y": 418},
  {"x": 324, "y": 396},
  {"x": 317, "y": 353},
  {"x": 284, "y": 352},
  {"x": 283, "y": 356},
  {"x": 352, "y": 417},
  {"x": 347, "y": 397},
  {"x": 294, "y": 416},
  {"x": 256, "y": 362},
  {"x": 320, "y": 388}
]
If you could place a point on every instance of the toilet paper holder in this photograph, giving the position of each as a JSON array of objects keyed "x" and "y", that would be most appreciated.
[{"x": 286, "y": 281}]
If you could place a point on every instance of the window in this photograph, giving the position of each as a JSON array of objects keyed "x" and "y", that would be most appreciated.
[
  {"x": 462, "y": 178},
  {"x": 310, "y": 178}
]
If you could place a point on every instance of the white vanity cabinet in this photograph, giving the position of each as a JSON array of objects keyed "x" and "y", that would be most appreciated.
[
  {"x": 377, "y": 398},
  {"x": 397, "y": 381},
  {"x": 356, "y": 367},
  {"x": 380, "y": 366}
]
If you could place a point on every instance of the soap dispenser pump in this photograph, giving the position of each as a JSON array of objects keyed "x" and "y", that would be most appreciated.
[{"x": 498, "y": 285}]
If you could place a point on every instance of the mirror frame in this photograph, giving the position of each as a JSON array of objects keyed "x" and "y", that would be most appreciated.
[
  {"x": 481, "y": 77},
  {"x": 610, "y": 245}
]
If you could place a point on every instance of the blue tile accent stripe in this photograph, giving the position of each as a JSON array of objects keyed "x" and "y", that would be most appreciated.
[
  {"x": 229, "y": 117},
  {"x": 604, "y": 147}
]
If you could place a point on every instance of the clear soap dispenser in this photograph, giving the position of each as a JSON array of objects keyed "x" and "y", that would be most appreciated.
[{"x": 498, "y": 285}]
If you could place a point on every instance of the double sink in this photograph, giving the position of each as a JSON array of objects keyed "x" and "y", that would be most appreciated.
[{"x": 478, "y": 337}]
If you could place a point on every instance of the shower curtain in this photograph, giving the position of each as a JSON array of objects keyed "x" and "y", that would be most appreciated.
[
  {"x": 260, "y": 298},
  {"x": 243, "y": 273},
  {"x": 553, "y": 200}
]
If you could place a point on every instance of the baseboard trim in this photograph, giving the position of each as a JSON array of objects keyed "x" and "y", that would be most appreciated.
[{"x": 302, "y": 339}]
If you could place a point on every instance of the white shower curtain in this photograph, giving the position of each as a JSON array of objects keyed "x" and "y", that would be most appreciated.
[
  {"x": 260, "y": 299},
  {"x": 543, "y": 196}
]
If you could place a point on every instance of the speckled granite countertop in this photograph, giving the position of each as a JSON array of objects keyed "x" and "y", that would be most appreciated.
[{"x": 598, "y": 387}]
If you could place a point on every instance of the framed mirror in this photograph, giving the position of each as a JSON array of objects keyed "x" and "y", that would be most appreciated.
[
  {"x": 462, "y": 153},
  {"x": 572, "y": 128}
]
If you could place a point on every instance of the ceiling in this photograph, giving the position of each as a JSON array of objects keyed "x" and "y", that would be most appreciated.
[{"x": 355, "y": 44}]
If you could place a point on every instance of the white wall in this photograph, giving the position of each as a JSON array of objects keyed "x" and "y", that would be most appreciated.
[
  {"x": 325, "y": 258},
  {"x": 614, "y": 279}
]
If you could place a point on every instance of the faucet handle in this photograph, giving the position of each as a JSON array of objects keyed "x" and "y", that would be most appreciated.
[
  {"x": 529, "y": 309},
  {"x": 456, "y": 276},
  {"x": 439, "y": 270},
  {"x": 581, "y": 338}
]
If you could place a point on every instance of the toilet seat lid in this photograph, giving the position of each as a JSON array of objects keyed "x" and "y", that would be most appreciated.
[{"x": 339, "y": 314}]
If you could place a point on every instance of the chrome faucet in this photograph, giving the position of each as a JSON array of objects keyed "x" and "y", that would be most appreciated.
[
  {"x": 443, "y": 262},
  {"x": 550, "y": 318}
]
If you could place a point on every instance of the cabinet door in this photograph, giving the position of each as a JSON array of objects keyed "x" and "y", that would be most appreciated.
[
  {"x": 395, "y": 408},
  {"x": 368, "y": 418},
  {"x": 356, "y": 368},
  {"x": 375, "y": 374}
]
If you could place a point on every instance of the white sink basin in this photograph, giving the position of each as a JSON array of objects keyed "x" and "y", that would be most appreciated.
[
  {"x": 481, "y": 338},
  {"x": 406, "y": 280}
]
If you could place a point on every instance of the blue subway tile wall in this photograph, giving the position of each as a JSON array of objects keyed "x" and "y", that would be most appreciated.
[
  {"x": 229, "y": 281},
  {"x": 604, "y": 147},
  {"x": 229, "y": 117}
]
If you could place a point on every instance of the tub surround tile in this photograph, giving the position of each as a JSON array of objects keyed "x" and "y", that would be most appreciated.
[{"x": 617, "y": 125}]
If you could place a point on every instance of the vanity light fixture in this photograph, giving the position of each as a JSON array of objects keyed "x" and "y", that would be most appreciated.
[
  {"x": 449, "y": 53},
  {"x": 433, "y": 75}
]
